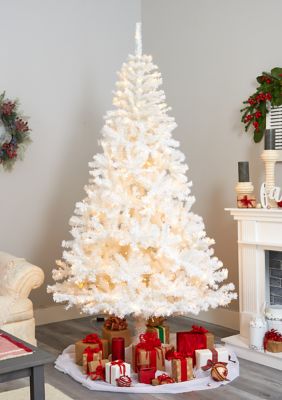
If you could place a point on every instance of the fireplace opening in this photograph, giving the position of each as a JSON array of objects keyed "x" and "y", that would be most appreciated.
[{"x": 273, "y": 262}]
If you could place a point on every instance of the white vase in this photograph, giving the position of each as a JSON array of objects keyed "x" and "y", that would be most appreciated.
[{"x": 258, "y": 328}]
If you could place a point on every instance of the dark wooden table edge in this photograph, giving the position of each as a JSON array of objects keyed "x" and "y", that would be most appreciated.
[{"x": 37, "y": 358}]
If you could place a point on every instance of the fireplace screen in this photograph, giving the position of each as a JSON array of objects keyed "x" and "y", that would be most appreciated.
[{"x": 273, "y": 262}]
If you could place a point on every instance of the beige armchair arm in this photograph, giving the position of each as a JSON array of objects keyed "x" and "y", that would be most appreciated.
[{"x": 18, "y": 277}]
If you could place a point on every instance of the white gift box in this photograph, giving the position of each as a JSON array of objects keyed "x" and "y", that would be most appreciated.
[
  {"x": 202, "y": 356},
  {"x": 114, "y": 370}
]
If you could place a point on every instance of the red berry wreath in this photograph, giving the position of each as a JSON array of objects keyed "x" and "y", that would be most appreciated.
[{"x": 14, "y": 133}]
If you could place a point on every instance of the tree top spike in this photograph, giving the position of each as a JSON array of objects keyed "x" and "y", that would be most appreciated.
[{"x": 138, "y": 39}]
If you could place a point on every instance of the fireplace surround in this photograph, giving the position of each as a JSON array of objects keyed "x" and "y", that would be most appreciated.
[{"x": 259, "y": 240}]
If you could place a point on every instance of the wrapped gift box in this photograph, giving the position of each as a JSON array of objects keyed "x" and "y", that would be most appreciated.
[
  {"x": 145, "y": 375},
  {"x": 115, "y": 369},
  {"x": 273, "y": 341},
  {"x": 246, "y": 201},
  {"x": 110, "y": 334},
  {"x": 155, "y": 321},
  {"x": 161, "y": 331},
  {"x": 162, "y": 380},
  {"x": 182, "y": 369},
  {"x": 92, "y": 341},
  {"x": 218, "y": 354},
  {"x": 114, "y": 323},
  {"x": 196, "y": 339},
  {"x": 96, "y": 369},
  {"x": 148, "y": 358},
  {"x": 148, "y": 353},
  {"x": 273, "y": 346},
  {"x": 89, "y": 355},
  {"x": 169, "y": 349}
]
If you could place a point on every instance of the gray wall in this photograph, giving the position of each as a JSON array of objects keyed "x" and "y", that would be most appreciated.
[
  {"x": 60, "y": 58},
  {"x": 209, "y": 52}
]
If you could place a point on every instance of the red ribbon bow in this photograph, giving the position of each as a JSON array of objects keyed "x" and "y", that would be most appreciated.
[
  {"x": 90, "y": 351},
  {"x": 199, "y": 329},
  {"x": 115, "y": 324},
  {"x": 246, "y": 201},
  {"x": 214, "y": 360},
  {"x": 99, "y": 373},
  {"x": 148, "y": 341},
  {"x": 211, "y": 363},
  {"x": 92, "y": 338},
  {"x": 164, "y": 378},
  {"x": 170, "y": 355},
  {"x": 272, "y": 335},
  {"x": 121, "y": 365}
]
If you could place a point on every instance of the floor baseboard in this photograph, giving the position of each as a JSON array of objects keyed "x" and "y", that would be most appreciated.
[
  {"x": 220, "y": 316},
  {"x": 56, "y": 313}
]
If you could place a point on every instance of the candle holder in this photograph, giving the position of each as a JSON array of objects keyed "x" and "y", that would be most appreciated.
[
  {"x": 270, "y": 157},
  {"x": 244, "y": 188},
  {"x": 118, "y": 348}
]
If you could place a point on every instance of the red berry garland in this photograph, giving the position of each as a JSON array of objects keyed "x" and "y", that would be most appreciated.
[
  {"x": 269, "y": 92},
  {"x": 14, "y": 133}
]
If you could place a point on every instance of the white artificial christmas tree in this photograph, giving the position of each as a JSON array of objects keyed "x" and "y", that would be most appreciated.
[{"x": 137, "y": 248}]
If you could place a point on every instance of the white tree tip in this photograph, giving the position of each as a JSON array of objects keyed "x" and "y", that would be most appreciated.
[{"x": 138, "y": 39}]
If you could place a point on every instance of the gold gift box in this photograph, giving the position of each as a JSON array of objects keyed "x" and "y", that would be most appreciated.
[
  {"x": 176, "y": 366},
  {"x": 245, "y": 201},
  {"x": 80, "y": 346},
  {"x": 274, "y": 346},
  {"x": 92, "y": 365},
  {"x": 109, "y": 335},
  {"x": 142, "y": 358},
  {"x": 85, "y": 364}
]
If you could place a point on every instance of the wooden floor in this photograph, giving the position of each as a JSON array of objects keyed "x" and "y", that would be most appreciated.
[{"x": 256, "y": 382}]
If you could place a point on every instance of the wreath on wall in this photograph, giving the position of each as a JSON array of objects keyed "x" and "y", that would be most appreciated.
[
  {"x": 14, "y": 133},
  {"x": 268, "y": 93}
]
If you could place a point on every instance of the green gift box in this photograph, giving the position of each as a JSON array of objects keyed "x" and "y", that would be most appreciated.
[{"x": 162, "y": 332}]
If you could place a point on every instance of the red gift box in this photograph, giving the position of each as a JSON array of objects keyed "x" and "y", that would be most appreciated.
[
  {"x": 145, "y": 375},
  {"x": 197, "y": 339}
]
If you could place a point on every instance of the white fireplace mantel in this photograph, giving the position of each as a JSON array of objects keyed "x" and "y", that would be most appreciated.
[{"x": 258, "y": 230}]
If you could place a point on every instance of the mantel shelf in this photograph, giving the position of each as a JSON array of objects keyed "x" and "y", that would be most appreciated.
[
  {"x": 256, "y": 214},
  {"x": 267, "y": 246}
]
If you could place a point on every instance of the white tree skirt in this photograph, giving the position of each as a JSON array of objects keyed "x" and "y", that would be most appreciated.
[{"x": 66, "y": 363}]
